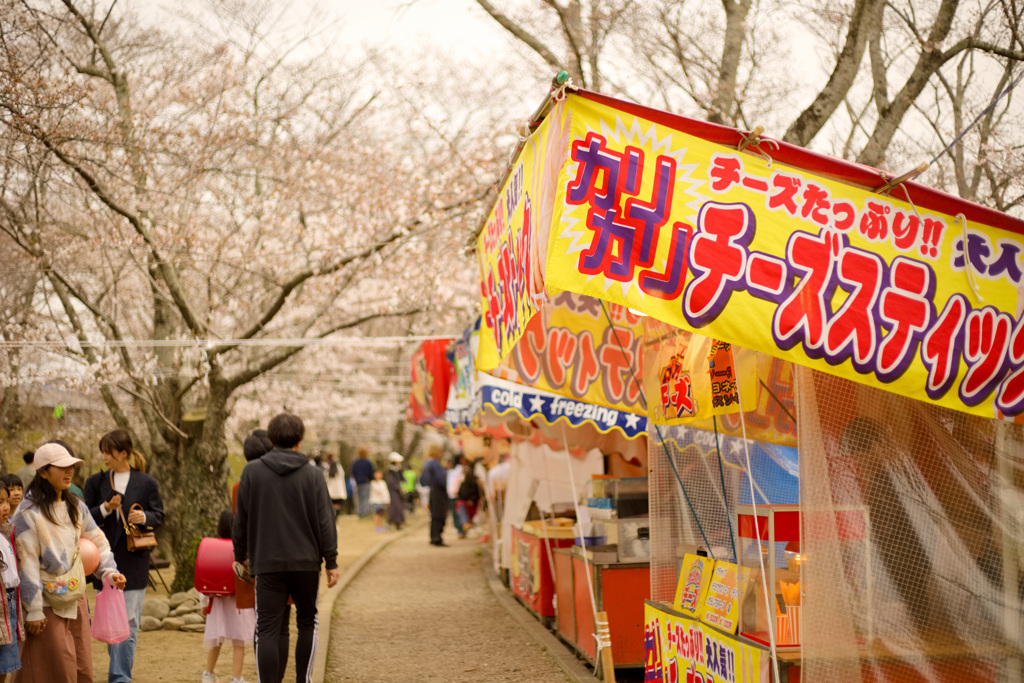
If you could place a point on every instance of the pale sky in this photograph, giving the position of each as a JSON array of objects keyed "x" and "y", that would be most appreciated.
[{"x": 459, "y": 25}]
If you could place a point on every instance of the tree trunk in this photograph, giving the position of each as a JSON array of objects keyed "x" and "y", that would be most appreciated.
[
  {"x": 814, "y": 118},
  {"x": 10, "y": 409},
  {"x": 928, "y": 62},
  {"x": 202, "y": 492},
  {"x": 398, "y": 438},
  {"x": 161, "y": 465},
  {"x": 723, "y": 104}
]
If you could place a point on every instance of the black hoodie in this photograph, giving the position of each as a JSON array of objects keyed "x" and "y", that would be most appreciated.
[{"x": 284, "y": 521}]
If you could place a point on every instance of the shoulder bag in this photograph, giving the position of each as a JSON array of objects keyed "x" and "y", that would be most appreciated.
[
  {"x": 136, "y": 537},
  {"x": 62, "y": 591}
]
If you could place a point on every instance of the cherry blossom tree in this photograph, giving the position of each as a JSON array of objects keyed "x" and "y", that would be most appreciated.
[{"x": 188, "y": 196}]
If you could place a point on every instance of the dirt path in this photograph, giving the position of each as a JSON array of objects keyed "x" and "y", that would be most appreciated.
[
  {"x": 177, "y": 657},
  {"x": 420, "y": 613}
]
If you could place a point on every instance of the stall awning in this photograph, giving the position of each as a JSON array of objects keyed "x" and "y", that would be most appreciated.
[
  {"x": 472, "y": 391},
  {"x": 778, "y": 250}
]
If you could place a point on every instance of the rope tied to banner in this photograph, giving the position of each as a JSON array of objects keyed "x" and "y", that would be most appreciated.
[
  {"x": 561, "y": 86},
  {"x": 753, "y": 140},
  {"x": 562, "y": 91},
  {"x": 961, "y": 219},
  {"x": 890, "y": 184}
]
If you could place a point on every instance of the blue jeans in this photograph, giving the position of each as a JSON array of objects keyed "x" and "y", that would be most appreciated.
[
  {"x": 122, "y": 655},
  {"x": 363, "y": 499},
  {"x": 9, "y": 659}
]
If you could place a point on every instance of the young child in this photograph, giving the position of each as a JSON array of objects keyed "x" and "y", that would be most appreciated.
[
  {"x": 379, "y": 499},
  {"x": 11, "y": 607},
  {"x": 15, "y": 489},
  {"x": 224, "y": 621}
]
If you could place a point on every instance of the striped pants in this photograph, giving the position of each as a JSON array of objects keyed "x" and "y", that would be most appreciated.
[{"x": 272, "y": 592}]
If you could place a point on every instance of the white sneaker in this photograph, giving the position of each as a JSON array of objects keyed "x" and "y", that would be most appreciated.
[
  {"x": 209, "y": 677},
  {"x": 238, "y": 680}
]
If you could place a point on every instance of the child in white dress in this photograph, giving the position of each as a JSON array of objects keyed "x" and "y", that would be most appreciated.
[
  {"x": 225, "y": 622},
  {"x": 380, "y": 498}
]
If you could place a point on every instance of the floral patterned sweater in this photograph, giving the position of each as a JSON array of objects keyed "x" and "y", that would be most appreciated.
[{"x": 45, "y": 550}]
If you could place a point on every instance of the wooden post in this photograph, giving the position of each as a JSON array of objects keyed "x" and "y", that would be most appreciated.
[{"x": 604, "y": 642}]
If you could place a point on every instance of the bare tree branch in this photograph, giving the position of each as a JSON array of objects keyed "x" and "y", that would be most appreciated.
[
  {"x": 521, "y": 34},
  {"x": 723, "y": 99},
  {"x": 812, "y": 119},
  {"x": 167, "y": 270}
]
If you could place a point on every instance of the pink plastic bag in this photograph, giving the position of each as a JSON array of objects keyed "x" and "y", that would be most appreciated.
[{"x": 110, "y": 621}]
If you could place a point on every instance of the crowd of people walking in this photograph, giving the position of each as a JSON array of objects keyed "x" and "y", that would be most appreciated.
[{"x": 282, "y": 526}]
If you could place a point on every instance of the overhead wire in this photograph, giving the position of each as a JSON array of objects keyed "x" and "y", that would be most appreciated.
[
  {"x": 206, "y": 343},
  {"x": 978, "y": 118}
]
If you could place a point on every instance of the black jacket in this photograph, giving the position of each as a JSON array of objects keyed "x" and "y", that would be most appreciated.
[
  {"x": 141, "y": 489},
  {"x": 284, "y": 521}
]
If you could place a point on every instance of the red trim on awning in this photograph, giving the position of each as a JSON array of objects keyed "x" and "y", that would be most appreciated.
[{"x": 924, "y": 197}]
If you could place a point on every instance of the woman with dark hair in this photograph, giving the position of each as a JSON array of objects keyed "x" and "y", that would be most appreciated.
[
  {"x": 120, "y": 495},
  {"x": 74, "y": 488},
  {"x": 52, "y": 581},
  {"x": 335, "y": 475}
]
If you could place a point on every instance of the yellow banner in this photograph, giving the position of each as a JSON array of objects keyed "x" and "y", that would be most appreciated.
[
  {"x": 510, "y": 259},
  {"x": 787, "y": 262},
  {"x": 571, "y": 350},
  {"x": 681, "y": 650},
  {"x": 692, "y": 377},
  {"x": 721, "y": 607},
  {"x": 687, "y": 382}
]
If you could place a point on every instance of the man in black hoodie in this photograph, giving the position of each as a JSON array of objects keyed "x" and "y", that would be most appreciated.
[{"x": 283, "y": 530}]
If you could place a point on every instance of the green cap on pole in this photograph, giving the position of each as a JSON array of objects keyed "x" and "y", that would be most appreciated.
[{"x": 562, "y": 77}]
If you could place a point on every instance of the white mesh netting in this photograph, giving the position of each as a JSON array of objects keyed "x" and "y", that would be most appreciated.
[
  {"x": 912, "y": 531},
  {"x": 693, "y": 504},
  {"x": 912, "y": 535}
]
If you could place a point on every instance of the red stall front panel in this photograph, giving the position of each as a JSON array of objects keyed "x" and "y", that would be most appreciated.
[
  {"x": 566, "y": 598},
  {"x": 531, "y": 571},
  {"x": 623, "y": 592},
  {"x": 585, "y": 641}
]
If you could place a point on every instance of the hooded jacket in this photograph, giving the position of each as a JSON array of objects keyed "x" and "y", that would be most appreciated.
[{"x": 284, "y": 521}]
